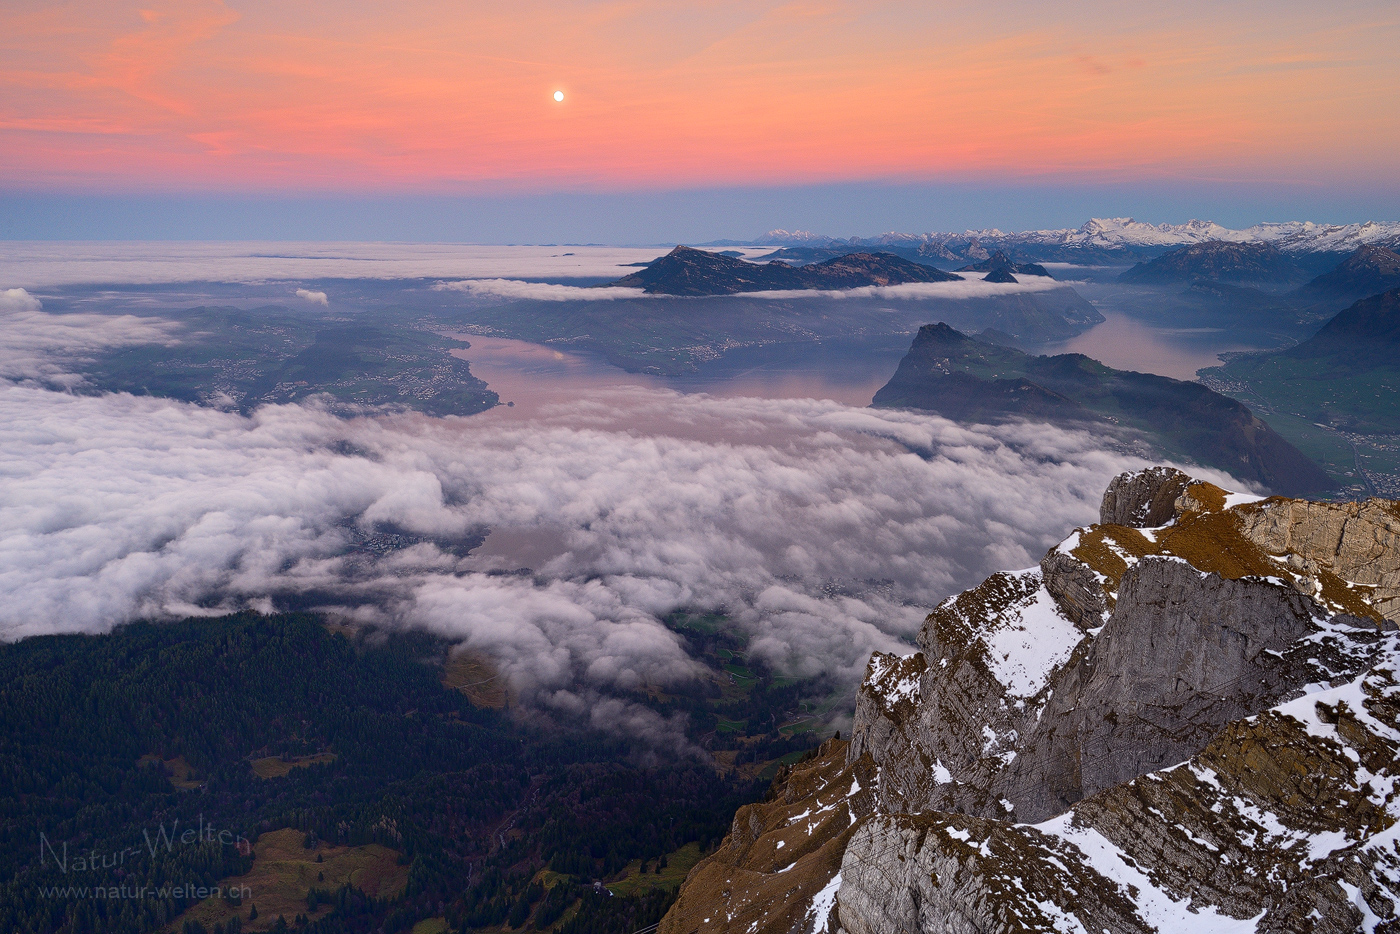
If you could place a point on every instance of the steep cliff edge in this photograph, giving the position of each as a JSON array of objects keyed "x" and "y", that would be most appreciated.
[
  {"x": 774, "y": 870},
  {"x": 1186, "y": 716},
  {"x": 1283, "y": 823}
]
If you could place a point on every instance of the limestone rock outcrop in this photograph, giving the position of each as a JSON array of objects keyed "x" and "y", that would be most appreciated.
[
  {"x": 1077, "y": 589},
  {"x": 1183, "y": 654},
  {"x": 1143, "y": 499},
  {"x": 1358, "y": 542},
  {"x": 1187, "y": 717}
]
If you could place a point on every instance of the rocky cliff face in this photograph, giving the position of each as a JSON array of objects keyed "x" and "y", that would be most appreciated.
[
  {"x": 1356, "y": 542},
  {"x": 1143, "y": 499},
  {"x": 1283, "y": 823},
  {"x": 1186, "y": 717},
  {"x": 775, "y": 869}
]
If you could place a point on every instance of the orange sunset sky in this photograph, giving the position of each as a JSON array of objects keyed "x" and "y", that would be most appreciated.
[{"x": 421, "y": 96}]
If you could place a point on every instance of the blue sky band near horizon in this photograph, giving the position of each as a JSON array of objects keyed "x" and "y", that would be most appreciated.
[{"x": 686, "y": 121}]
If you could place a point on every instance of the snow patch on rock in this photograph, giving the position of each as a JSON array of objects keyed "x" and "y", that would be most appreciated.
[
  {"x": 1034, "y": 639},
  {"x": 822, "y": 903}
]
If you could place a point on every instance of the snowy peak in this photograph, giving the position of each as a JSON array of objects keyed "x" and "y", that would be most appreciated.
[
  {"x": 793, "y": 237},
  {"x": 1113, "y": 239},
  {"x": 1126, "y": 230}
]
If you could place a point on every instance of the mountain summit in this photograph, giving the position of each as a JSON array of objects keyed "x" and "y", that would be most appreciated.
[
  {"x": 1366, "y": 333},
  {"x": 1001, "y": 266},
  {"x": 1186, "y": 717},
  {"x": 1218, "y": 261},
  {"x": 1106, "y": 240},
  {"x": 1368, "y": 271},
  {"x": 970, "y": 380},
  {"x": 688, "y": 271}
]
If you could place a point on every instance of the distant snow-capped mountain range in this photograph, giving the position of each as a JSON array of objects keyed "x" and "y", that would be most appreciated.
[{"x": 1114, "y": 239}]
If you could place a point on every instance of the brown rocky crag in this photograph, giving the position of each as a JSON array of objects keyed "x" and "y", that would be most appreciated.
[{"x": 1188, "y": 717}]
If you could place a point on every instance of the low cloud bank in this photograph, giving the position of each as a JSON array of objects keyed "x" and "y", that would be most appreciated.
[
  {"x": 499, "y": 271},
  {"x": 971, "y": 287},
  {"x": 12, "y": 300},
  {"x": 51, "y": 264},
  {"x": 824, "y": 531},
  {"x": 315, "y": 298},
  {"x": 539, "y": 291},
  {"x": 47, "y": 349}
]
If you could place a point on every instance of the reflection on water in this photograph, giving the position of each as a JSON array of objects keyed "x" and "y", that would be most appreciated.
[
  {"x": 533, "y": 376},
  {"x": 530, "y": 376},
  {"x": 848, "y": 371},
  {"x": 511, "y": 549},
  {"x": 1128, "y": 344}
]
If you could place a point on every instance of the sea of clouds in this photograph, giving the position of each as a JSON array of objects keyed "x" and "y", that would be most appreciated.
[
  {"x": 509, "y": 272},
  {"x": 972, "y": 286},
  {"x": 51, "y": 264},
  {"x": 117, "y": 507},
  {"x": 824, "y": 531}
]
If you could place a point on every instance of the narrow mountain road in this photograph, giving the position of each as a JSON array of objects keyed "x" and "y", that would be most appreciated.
[{"x": 500, "y": 832}]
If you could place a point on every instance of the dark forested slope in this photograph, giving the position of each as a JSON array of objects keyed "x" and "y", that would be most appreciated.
[
  {"x": 248, "y": 728},
  {"x": 688, "y": 271},
  {"x": 965, "y": 379},
  {"x": 1219, "y": 261}
]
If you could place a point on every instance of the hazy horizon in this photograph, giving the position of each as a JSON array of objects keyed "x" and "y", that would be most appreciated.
[{"x": 644, "y": 218}]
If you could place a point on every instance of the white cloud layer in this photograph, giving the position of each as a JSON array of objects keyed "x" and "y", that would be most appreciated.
[
  {"x": 817, "y": 527},
  {"x": 18, "y": 300},
  {"x": 540, "y": 291},
  {"x": 970, "y": 287},
  {"x": 35, "y": 345},
  {"x": 823, "y": 531},
  {"x": 487, "y": 270},
  {"x": 48, "y": 264}
]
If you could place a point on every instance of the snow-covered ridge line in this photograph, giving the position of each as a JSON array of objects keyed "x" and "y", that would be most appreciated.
[
  {"x": 1186, "y": 718},
  {"x": 1125, "y": 232}
]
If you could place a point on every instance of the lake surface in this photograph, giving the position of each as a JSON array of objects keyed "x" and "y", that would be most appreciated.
[
  {"x": 1126, "y": 343},
  {"x": 533, "y": 376}
]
